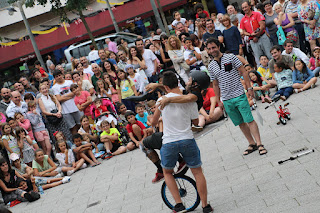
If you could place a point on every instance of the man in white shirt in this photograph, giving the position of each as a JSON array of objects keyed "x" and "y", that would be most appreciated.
[
  {"x": 150, "y": 60},
  {"x": 16, "y": 105},
  {"x": 86, "y": 67},
  {"x": 293, "y": 52},
  {"x": 178, "y": 139},
  {"x": 93, "y": 54},
  {"x": 70, "y": 111}
]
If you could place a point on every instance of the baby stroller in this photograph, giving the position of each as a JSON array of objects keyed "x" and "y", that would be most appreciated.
[{"x": 110, "y": 115}]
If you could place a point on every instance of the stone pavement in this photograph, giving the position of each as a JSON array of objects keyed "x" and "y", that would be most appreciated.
[{"x": 236, "y": 183}]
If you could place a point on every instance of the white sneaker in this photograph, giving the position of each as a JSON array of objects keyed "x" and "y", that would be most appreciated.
[
  {"x": 66, "y": 179},
  {"x": 84, "y": 165},
  {"x": 70, "y": 172}
]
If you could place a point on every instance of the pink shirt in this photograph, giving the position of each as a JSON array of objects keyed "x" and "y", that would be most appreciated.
[
  {"x": 27, "y": 126},
  {"x": 78, "y": 100},
  {"x": 112, "y": 47},
  {"x": 312, "y": 62}
]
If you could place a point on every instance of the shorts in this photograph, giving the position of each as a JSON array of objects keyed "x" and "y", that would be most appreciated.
[
  {"x": 115, "y": 146},
  {"x": 238, "y": 109},
  {"x": 42, "y": 135},
  {"x": 153, "y": 141},
  {"x": 189, "y": 150},
  {"x": 72, "y": 119}
]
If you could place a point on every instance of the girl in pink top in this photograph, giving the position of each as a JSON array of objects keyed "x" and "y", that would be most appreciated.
[
  {"x": 314, "y": 62},
  {"x": 24, "y": 123}
]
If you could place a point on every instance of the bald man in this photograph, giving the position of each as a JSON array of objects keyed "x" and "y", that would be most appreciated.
[
  {"x": 4, "y": 103},
  {"x": 16, "y": 105},
  {"x": 232, "y": 11}
]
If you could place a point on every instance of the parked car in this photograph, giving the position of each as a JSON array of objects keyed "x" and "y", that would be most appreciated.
[{"x": 80, "y": 49}]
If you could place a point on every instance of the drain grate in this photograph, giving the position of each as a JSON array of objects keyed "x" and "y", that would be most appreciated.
[{"x": 94, "y": 204}]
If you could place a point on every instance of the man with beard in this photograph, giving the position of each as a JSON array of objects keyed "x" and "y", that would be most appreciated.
[
  {"x": 4, "y": 103},
  {"x": 20, "y": 88},
  {"x": 86, "y": 67},
  {"x": 225, "y": 72},
  {"x": 123, "y": 59},
  {"x": 102, "y": 56},
  {"x": 27, "y": 86}
]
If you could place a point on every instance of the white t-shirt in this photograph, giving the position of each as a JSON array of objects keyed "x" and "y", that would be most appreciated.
[
  {"x": 88, "y": 70},
  {"x": 62, "y": 157},
  {"x": 149, "y": 57},
  {"x": 182, "y": 20},
  {"x": 61, "y": 89},
  {"x": 188, "y": 54},
  {"x": 177, "y": 120},
  {"x": 93, "y": 55}
]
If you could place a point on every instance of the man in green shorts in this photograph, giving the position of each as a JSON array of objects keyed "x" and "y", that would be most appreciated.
[{"x": 225, "y": 71}]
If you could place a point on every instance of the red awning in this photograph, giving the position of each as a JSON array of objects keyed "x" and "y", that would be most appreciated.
[{"x": 101, "y": 23}]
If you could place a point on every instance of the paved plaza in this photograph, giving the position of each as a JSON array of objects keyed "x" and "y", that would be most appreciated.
[{"x": 236, "y": 183}]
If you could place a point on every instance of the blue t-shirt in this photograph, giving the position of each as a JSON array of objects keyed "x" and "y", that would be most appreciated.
[{"x": 144, "y": 119}]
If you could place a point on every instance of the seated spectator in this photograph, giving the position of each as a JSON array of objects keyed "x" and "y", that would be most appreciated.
[
  {"x": 66, "y": 158},
  {"x": 126, "y": 88},
  {"x": 142, "y": 115},
  {"x": 136, "y": 130},
  {"x": 38, "y": 128},
  {"x": 210, "y": 112},
  {"x": 260, "y": 87},
  {"x": 263, "y": 68},
  {"x": 294, "y": 52},
  {"x": 232, "y": 37},
  {"x": 9, "y": 186},
  {"x": 83, "y": 150},
  {"x": 85, "y": 85},
  {"x": 303, "y": 78},
  {"x": 283, "y": 76},
  {"x": 122, "y": 109},
  {"x": 59, "y": 136},
  {"x": 152, "y": 105},
  {"x": 314, "y": 62},
  {"x": 88, "y": 129},
  {"x": 278, "y": 57},
  {"x": 112, "y": 142},
  {"x": 23, "y": 169}
]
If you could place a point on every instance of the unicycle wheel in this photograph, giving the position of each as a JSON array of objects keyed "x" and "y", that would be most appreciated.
[{"x": 187, "y": 190}]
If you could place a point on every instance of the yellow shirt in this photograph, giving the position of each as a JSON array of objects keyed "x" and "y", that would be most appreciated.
[
  {"x": 112, "y": 131},
  {"x": 264, "y": 72},
  {"x": 126, "y": 88}
]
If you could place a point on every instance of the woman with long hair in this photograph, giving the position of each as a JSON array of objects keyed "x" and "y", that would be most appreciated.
[
  {"x": 136, "y": 59},
  {"x": 164, "y": 52},
  {"x": 110, "y": 69}
]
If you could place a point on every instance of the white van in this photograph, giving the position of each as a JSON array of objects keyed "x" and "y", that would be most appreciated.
[{"x": 83, "y": 48}]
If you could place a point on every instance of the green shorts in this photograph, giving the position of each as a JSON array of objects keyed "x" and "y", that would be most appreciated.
[{"x": 238, "y": 110}]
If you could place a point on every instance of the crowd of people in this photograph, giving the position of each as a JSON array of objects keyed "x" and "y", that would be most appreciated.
[{"x": 57, "y": 122}]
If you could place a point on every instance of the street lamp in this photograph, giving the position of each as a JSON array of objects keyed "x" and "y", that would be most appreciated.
[{"x": 11, "y": 11}]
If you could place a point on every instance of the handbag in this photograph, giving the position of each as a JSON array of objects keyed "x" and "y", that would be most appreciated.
[
  {"x": 281, "y": 36},
  {"x": 54, "y": 119},
  {"x": 292, "y": 35}
]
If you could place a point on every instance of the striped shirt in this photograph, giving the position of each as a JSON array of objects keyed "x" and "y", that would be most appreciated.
[{"x": 227, "y": 73}]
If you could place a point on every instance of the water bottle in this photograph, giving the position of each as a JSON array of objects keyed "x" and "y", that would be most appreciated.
[{"x": 40, "y": 190}]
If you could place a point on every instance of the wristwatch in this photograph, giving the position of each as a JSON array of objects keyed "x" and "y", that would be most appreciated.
[{"x": 250, "y": 88}]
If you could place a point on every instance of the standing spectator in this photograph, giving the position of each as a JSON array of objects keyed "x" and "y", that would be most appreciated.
[
  {"x": 50, "y": 107},
  {"x": 136, "y": 59},
  {"x": 51, "y": 68},
  {"x": 176, "y": 54},
  {"x": 37, "y": 65},
  {"x": 97, "y": 74},
  {"x": 212, "y": 32},
  {"x": 85, "y": 85},
  {"x": 27, "y": 86},
  {"x": 16, "y": 105},
  {"x": 102, "y": 56},
  {"x": 292, "y": 10},
  {"x": 277, "y": 57},
  {"x": 196, "y": 42},
  {"x": 70, "y": 111},
  {"x": 200, "y": 25},
  {"x": 282, "y": 3},
  {"x": 111, "y": 45},
  {"x": 232, "y": 11},
  {"x": 93, "y": 54},
  {"x": 177, "y": 19},
  {"x": 270, "y": 16},
  {"x": 84, "y": 76},
  {"x": 219, "y": 24},
  {"x": 192, "y": 55},
  {"x": 232, "y": 37},
  {"x": 4, "y": 103},
  {"x": 294, "y": 52},
  {"x": 87, "y": 69},
  {"x": 314, "y": 62},
  {"x": 110, "y": 69},
  {"x": 164, "y": 52},
  {"x": 82, "y": 99},
  {"x": 123, "y": 60},
  {"x": 48, "y": 62},
  {"x": 226, "y": 83},
  {"x": 150, "y": 59},
  {"x": 253, "y": 25},
  {"x": 308, "y": 13},
  {"x": 199, "y": 9},
  {"x": 20, "y": 88},
  {"x": 287, "y": 23}
]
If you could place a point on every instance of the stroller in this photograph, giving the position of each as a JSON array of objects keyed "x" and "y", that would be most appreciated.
[{"x": 110, "y": 115}]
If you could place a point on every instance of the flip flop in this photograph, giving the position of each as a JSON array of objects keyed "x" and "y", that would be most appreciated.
[
  {"x": 98, "y": 163},
  {"x": 94, "y": 165}
]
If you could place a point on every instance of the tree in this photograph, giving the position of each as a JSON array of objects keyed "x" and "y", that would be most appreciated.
[{"x": 62, "y": 9}]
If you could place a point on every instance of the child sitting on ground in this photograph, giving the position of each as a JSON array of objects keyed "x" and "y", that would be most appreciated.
[
  {"x": 122, "y": 109},
  {"x": 112, "y": 142},
  {"x": 264, "y": 71},
  {"x": 137, "y": 131},
  {"x": 260, "y": 86},
  {"x": 283, "y": 76},
  {"x": 303, "y": 78},
  {"x": 314, "y": 62},
  {"x": 24, "y": 170},
  {"x": 38, "y": 127},
  {"x": 142, "y": 115},
  {"x": 66, "y": 158},
  {"x": 83, "y": 150}
]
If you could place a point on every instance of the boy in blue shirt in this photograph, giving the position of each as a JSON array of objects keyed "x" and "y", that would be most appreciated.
[{"x": 142, "y": 115}]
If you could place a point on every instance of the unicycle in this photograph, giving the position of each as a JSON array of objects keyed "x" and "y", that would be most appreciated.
[{"x": 187, "y": 190}]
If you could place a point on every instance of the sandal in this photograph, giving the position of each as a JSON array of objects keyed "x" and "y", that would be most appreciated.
[
  {"x": 251, "y": 148},
  {"x": 262, "y": 151}
]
